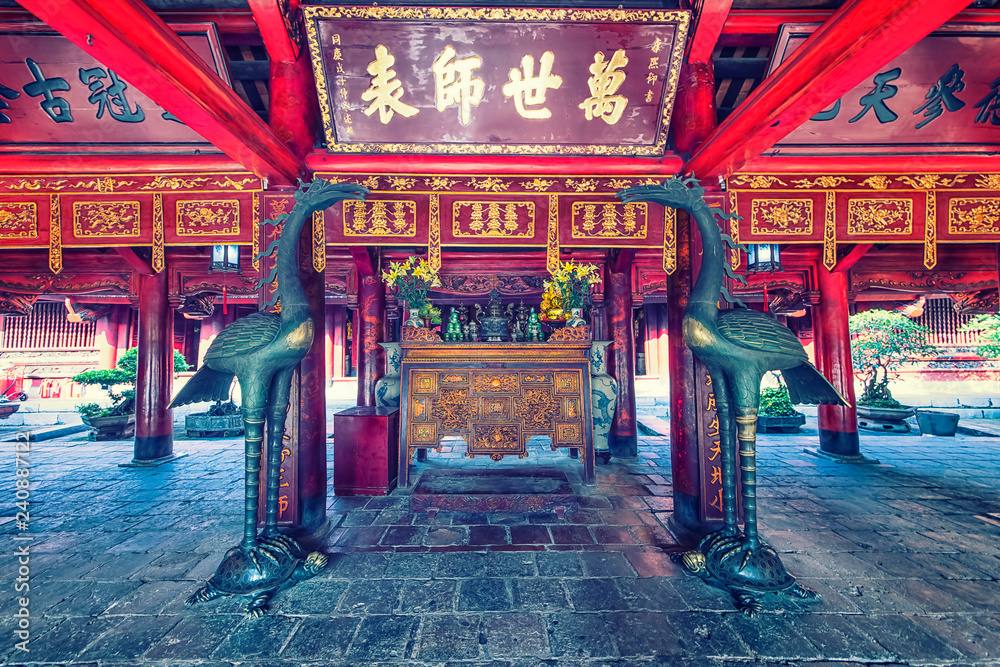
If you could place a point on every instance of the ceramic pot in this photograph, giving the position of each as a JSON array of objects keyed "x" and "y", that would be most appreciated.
[
  {"x": 388, "y": 386},
  {"x": 937, "y": 422},
  {"x": 780, "y": 424},
  {"x": 576, "y": 318},
  {"x": 603, "y": 394},
  {"x": 115, "y": 427},
  {"x": 884, "y": 420},
  {"x": 414, "y": 320}
]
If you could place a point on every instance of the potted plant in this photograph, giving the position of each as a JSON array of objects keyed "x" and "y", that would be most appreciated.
[
  {"x": 412, "y": 279},
  {"x": 570, "y": 289},
  {"x": 116, "y": 421},
  {"x": 881, "y": 342},
  {"x": 222, "y": 419},
  {"x": 777, "y": 415}
]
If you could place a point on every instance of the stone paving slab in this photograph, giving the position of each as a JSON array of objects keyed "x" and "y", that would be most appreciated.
[{"x": 905, "y": 556}]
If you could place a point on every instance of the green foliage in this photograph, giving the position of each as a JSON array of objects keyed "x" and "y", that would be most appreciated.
[
  {"x": 429, "y": 312},
  {"x": 988, "y": 328},
  {"x": 775, "y": 402},
  {"x": 881, "y": 342},
  {"x": 221, "y": 409},
  {"x": 125, "y": 373}
]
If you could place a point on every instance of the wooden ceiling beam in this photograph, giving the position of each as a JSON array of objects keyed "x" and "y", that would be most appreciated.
[
  {"x": 861, "y": 37},
  {"x": 129, "y": 38},
  {"x": 711, "y": 19},
  {"x": 852, "y": 257},
  {"x": 141, "y": 266},
  {"x": 768, "y": 22}
]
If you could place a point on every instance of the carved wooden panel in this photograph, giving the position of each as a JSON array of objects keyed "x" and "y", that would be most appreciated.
[
  {"x": 495, "y": 397},
  {"x": 496, "y": 411}
]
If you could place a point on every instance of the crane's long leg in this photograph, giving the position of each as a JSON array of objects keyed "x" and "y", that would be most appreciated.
[
  {"x": 254, "y": 396},
  {"x": 727, "y": 454},
  {"x": 277, "y": 410},
  {"x": 746, "y": 420}
]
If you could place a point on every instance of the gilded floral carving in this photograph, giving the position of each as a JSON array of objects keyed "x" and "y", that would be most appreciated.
[
  {"x": 106, "y": 219},
  {"x": 538, "y": 184},
  {"x": 204, "y": 218},
  {"x": 440, "y": 183},
  {"x": 879, "y": 216},
  {"x": 489, "y": 184},
  {"x": 536, "y": 408},
  {"x": 820, "y": 182},
  {"x": 383, "y": 217},
  {"x": 453, "y": 409},
  {"x": 877, "y": 182},
  {"x": 779, "y": 217},
  {"x": 484, "y": 219},
  {"x": 401, "y": 183},
  {"x": 593, "y": 220},
  {"x": 18, "y": 220},
  {"x": 974, "y": 215},
  {"x": 173, "y": 183},
  {"x": 756, "y": 181},
  {"x": 581, "y": 184},
  {"x": 989, "y": 181},
  {"x": 503, "y": 383},
  {"x": 928, "y": 181}
]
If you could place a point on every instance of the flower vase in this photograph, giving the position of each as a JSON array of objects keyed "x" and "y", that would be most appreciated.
[
  {"x": 576, "y": 318},
  {"x": 388, "y": 386},
  {"x": 603, "y": 395},
  {"x": 415, "y": 320}
]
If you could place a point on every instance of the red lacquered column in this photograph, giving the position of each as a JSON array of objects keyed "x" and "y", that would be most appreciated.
[
  {"x": 838, "y": 426},
  {"x": 106, "y": 335},
  {"x": 371, "y": 322},
  {"x": 684, "y": 409},
  {"x": 618, "y": 306},
  {"x": 311, "y": 426},
  {"x": 154, "y": 430}
]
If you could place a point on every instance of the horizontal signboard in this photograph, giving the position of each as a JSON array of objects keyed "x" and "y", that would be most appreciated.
[
  {"x": 940, "y": 95},
  {"x": 52, "y": 93},
  {"x": 496, "y": 81}
]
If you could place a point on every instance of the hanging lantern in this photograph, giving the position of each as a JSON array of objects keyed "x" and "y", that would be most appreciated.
[
  {"x": 764, "y": 257},
  {"x": 225, "y": 259}
]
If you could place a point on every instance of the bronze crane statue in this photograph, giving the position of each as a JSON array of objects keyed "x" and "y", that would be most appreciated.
[
  {"x": 262, "y": 351},
  {"x": 738, "y": 347}
]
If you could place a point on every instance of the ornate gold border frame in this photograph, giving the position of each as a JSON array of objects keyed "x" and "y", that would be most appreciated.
[{"x": 682, "y": 19}]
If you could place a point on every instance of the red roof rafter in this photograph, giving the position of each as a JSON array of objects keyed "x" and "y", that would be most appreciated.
[
  {"x": 860, "y": 37},
  {"x": 271, "y": 22},
  {"x": 711, "y": 18},
  {"x": 128, "y": 37}
]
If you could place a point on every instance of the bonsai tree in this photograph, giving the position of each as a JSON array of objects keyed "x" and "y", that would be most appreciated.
[
  {"x": 881, "y": 341},
  {"x": 120, "y": 384},
  {"x": 988, "y": 328},
  {"x": 775, "y": 401}
]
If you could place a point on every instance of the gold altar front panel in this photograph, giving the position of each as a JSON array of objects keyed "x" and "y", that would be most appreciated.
[{"x": 495, "y": 397}]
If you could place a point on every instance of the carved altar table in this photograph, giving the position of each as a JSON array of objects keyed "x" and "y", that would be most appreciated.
[{"x": 495, "y": 396}]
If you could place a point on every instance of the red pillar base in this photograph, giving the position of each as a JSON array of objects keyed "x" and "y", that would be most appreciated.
[{"x": 839, "y": 443}]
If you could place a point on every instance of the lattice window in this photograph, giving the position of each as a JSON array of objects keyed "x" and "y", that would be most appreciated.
[
  {"x": 46, "y": 328},
  {"x": 940, "y": 317}
]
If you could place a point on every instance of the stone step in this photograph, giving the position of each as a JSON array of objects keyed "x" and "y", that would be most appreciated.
[
  {"x": 39, "y": 433},
  {"x": 534, "y": 490}
]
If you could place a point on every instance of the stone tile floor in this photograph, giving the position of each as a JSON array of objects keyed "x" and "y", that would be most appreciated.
[{"x": 905, "y": 556}]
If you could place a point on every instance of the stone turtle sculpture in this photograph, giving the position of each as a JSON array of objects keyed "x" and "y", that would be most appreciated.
[
  {"x": 260, "y": 572},
  {"x": 719, "y": 561}
]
